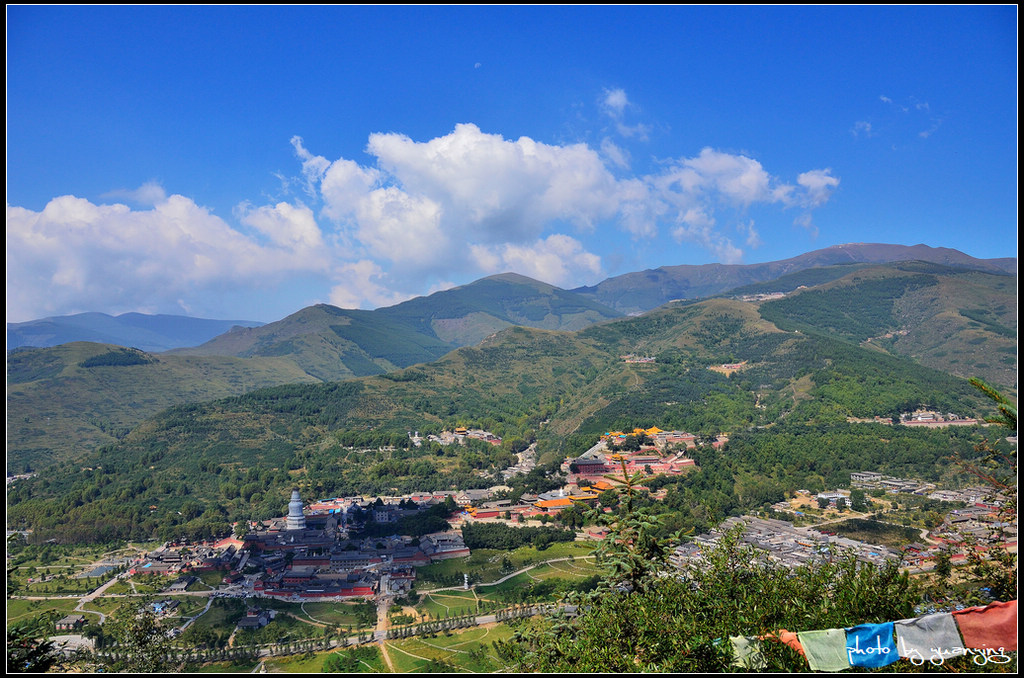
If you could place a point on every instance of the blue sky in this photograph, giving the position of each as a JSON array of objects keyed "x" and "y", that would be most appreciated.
[{"x": 245, "y": 162}]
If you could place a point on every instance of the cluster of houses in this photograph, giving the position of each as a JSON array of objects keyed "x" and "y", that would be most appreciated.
[
  {"x": 931, "y": 419},
  {"x": 174, "y": 559},
  {"x": 870, "y": 480},
  {"x": 663, "y": 453},
  {"x": 534, "y": 506},
  {"x": 920, "y": 418},
  {"x": 458, "y": 436},
  {"x": 313, "y": 556},
  {"x": 765, "y": 296},
  {"x": 728, "y": 368},
  {"x": 783, "y": 543},
  {"x": 975, "y": 496},
  {"x": 630, "y": 358}
]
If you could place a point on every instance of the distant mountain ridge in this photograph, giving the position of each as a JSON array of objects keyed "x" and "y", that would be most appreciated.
[
  {"x": 464, "y": 315},
  {"x": 151, "y": 333},
  {"x": 333, "y": 343},
  {"x": 70, "y": 398},
  {"x": 644, "y": 290}
]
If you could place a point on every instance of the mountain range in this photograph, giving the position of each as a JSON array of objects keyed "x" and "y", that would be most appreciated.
[
  {"x": 644, "y": 290},
  {"x": 142, "y": 331},
  {"x": 956, "y": 314}
]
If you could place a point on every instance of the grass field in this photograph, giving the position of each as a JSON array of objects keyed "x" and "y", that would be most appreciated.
[
  {"x": 24, "y": 610},
  {"x": 873, "y": 532},
  {"x": 485, "y": 565},
  {"x": 336, "y": 614},
  {"x": 106, "y": 605},
  {"x": 447, "y": 603},
  {"x": 211, "y": 578},
  {"x": 223, "y": 614},
  {"x": 228, "y": 667},
  {"x": 465, "y": 651}
]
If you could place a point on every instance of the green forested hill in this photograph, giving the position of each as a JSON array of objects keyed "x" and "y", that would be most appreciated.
[
  {"x": 66, "y": 400},
  {"x": 332, "y": 343},
  {"x": 644, "y": 290},
  {"x": 58, "y": 409},
  {"x": 954, "y": 320},
  {"x": 193, "y": 467}
]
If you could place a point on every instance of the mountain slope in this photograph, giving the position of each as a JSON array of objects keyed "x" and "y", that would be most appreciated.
[
  {"x": 66, "y": 400},
  {"x": 202, "y": 464},
  {"x": 332, "y": 343},
  {"x": 644, "y": 290},
  {"x": 951, "y": 319},
  {"x": 151, "y": 333}
]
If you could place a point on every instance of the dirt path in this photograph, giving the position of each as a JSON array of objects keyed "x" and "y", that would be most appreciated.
[{"x": 383, "y": 604}]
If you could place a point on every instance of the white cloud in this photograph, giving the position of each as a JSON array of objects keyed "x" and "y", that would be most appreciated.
[
  {"x": 861, "y": 127},
  {"x": 735, "y": 177},
  {"x": 753, "y": 238},
  {"x": 935, "y": 124},
  {"x": 401, "y": 228},
  {"x": 805, "y": 222},
  {"x": 288, "y": 226},
  {"x": 74, "y": 254},
  {"x": 497, "y": 190},
  {"x": 616, "y": 155},
  {"x": 615, "y": 102},
  {"x": 313, "y": 166},
  {"x": 696, "y": 226},
  {"x": 361, "y": 281},
  {"x": 483, "y": 203},
  {"x": 149, "y": 194},
  {"x": 419, "y": 215},
  {"x": 818, "y": 185},
  {"x": 557, "y": 259}
]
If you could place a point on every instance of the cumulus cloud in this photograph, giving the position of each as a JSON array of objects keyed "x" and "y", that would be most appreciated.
[
  {"x": 419, "y": 215},
  {"x": 818, "y": 186},
  {"x": 74, "y": 254},
  {"x": 557, "y": 259},
  {"x": 149, "y": 194},
  {"x": 360, "y": 281},
  {"x": 499, "y": 190}
]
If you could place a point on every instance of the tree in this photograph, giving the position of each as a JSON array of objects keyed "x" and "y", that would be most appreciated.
[
  {"x": 629, "y": 623},
  {"x": 571, "y": 517},
  {"x": 858, "y": 500},
  {"x": 28, "y": 650},
  {"x": 141, "y": 644},
  {"x": 943, "y": 565},
  {"x": 994, "y": 571}
]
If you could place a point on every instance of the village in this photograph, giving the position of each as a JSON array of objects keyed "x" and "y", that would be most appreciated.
[{"x": 319, "y": 550}]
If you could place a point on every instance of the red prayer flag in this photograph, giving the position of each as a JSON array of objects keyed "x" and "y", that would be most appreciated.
[{"x": 991, "y": 626}]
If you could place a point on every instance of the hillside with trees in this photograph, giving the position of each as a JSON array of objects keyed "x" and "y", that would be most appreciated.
[{"x": 194, "y": 468}]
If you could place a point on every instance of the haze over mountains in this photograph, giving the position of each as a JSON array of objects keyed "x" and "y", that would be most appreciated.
[
  {"x": 957, "y": 315},
  {"x": 146, "y": 332}
]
